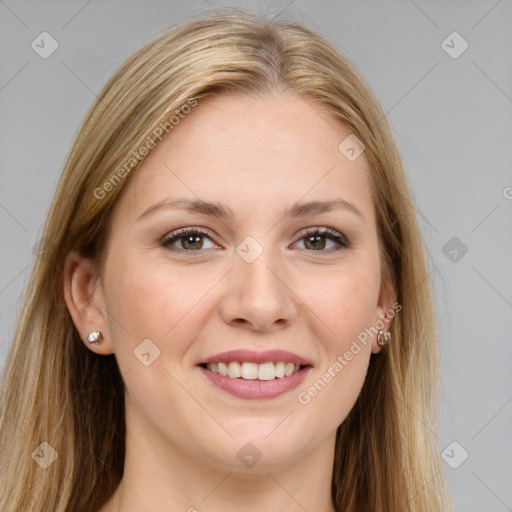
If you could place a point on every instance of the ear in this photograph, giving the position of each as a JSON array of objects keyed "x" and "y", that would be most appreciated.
[
  {"x": 385, "y": 312},
  {"x": 85, "y": 300}
]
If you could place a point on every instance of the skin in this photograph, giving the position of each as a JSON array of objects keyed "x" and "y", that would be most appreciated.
[{"x": 257, "y": 156}]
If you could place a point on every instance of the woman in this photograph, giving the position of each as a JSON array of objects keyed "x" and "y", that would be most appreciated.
[{"x": 231, "y": 308}]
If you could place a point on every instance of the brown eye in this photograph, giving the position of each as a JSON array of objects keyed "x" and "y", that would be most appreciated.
[
  {"x": 323, "y": 240},
  {"x": 192, "y": 242},
  {"x": 315, "y": 242},
  {"x": 189, "y": 239}
]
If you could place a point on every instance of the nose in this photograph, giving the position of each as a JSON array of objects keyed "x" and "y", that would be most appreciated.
[{"x": 258, "y": 296}]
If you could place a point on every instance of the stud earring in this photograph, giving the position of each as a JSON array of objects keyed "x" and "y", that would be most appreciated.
[
  {"x": 95, "y": 337},
  {"x": 383, "y": 338}
]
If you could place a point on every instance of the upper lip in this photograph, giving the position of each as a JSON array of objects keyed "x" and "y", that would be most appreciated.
[{"x": 251, "y": 356}]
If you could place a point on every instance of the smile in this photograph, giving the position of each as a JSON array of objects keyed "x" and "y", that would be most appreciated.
[
  {"x": 255, "y": 375},
  {"x": 254, "y": 371}
]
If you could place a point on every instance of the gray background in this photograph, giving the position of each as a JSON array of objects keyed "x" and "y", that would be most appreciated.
[{"x": 452, "y": 119}]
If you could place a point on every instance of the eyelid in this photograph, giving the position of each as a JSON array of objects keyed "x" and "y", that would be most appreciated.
[
  {"x": 320, "y": 229},
  {"x": 334, "y": 235},
  {"x": 330, "y": 233},
  {"x": 176, "y": 234}
]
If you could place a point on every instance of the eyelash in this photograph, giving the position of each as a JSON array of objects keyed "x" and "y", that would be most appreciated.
[{"x": 329, "y": 233}]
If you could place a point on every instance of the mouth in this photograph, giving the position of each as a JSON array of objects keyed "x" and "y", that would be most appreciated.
[
  {"x": 253, "y": 371},
  {"x": 255, "y": 375}
]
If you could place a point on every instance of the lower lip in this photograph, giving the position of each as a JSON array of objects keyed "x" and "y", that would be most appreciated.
[{"x": 256, "y": 389}]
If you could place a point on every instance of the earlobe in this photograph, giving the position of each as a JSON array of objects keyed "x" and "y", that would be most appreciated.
[
  {"x": 84, "y": 298},
  {"x": 386, "y": 311}
]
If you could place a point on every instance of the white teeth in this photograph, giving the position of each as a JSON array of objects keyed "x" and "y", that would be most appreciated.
[
  {"x": 249, "y": 371},
  {"x": 254, "y": 371},
  {"x": 266, "y": 371},
  {"x": 234, "y": 370},
  {"x": 279, "y": 367},
  {"x": 223, "y": 369}
]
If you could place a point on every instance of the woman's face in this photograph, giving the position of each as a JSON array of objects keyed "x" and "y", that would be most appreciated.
[{"x": 252, "y": 181}]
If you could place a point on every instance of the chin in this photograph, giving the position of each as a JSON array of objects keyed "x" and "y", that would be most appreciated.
[{"x": 260, "y": 445}]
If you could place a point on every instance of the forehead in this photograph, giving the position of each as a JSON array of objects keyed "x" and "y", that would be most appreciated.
[{"x": 238, "y": 150}]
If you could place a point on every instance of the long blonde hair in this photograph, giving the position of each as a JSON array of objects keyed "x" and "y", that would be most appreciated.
[{"x": 56, "y": 391}]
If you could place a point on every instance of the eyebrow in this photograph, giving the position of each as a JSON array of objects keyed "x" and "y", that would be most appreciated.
[{"x": 221, "y": 211}]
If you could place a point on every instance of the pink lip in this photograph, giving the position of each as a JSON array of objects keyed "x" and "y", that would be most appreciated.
[
  {"x": 256, "y": 389},
  {"x": 250, "y": 356}
]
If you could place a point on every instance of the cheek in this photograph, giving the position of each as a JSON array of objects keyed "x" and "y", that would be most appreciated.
[
  {"x": 148, "y": 301},
  {"x": 136, "y": 302},
  {"x": 346, "y": 304}
]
